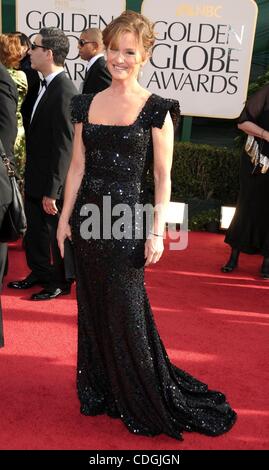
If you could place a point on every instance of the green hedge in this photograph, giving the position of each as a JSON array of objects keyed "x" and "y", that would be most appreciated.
[
  {"x": 204, "y": 177},
  {"x": 205, "y": 172}
]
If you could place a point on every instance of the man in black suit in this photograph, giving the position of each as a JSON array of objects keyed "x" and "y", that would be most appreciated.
[
  {"x": 48, "y": 154},
  {"x": 91, "y": 48},
  {"x": 8, "y": 133}
]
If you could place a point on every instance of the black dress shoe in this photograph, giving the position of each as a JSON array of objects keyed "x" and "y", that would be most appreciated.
[
  {"x": 48, "y": 294},
  {"x": 265, "y": 268},
  {"x": 232, "y": 262},
  {"x": 265, "y": 275},
  {"x": 229, "y": 267},
  {"x": 26, "y": 283}
]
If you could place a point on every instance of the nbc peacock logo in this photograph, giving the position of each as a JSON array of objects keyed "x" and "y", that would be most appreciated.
[{"x": 198, "y": 10}]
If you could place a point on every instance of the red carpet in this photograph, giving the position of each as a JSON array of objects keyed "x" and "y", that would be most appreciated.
[{"x": 213, "y": 325}]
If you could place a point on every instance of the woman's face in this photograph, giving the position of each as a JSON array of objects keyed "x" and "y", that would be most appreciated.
[{"x": 125, "y": 59}]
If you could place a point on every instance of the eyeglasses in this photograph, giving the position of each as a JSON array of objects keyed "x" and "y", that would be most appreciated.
[
  {"x": 82, "y": 42},
  {"x": 34, "y": 46}
]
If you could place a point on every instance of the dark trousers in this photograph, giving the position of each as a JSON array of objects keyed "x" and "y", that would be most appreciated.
[
  {"x": 3, "y": 260},
  {"x": 41, "y": 247}
]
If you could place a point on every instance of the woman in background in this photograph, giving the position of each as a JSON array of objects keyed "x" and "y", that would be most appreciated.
[
  {"x": 11, "y": 53},
  {"x": 249, "y": 229},
  {"x": 8, "y": 132}
]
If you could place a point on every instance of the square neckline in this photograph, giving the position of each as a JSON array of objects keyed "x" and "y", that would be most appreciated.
[{"x": 118, "y": 125}]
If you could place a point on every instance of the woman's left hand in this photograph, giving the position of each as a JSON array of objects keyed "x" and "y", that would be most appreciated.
[
  {"x": 63, "y": 232},
  {"x": 153, "y": 249}
]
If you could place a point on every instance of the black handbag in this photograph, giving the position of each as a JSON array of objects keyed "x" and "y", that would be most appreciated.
[{"x": 14, "y": 222}]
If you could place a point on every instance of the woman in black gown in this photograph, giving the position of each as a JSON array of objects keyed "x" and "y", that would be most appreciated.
[
  {"x": 249, "y": 229},
  {"x": 123, "y": 368}
]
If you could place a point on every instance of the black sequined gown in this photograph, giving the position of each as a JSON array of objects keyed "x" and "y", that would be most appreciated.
[{"x": 123, "y": 368}]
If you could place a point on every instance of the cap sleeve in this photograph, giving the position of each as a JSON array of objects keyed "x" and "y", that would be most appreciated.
[
  {"x": 80, "y": 108},
  {"x": 161, "y": 108}
]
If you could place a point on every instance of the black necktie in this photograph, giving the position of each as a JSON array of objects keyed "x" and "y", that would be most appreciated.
[{"x": 44, "y": 83}]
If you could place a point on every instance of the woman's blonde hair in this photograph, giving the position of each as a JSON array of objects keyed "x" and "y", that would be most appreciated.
[
  {"x": 130, "y": 22},
  {"x": 10, "y": 50}
]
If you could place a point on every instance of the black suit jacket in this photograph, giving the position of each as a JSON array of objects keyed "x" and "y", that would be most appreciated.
[
  {"x": 97, "y": 78},
  {"x": 49, "y": 141},
  {"x": 33, "y": 82},
  {"x": 8, "y": 128}
]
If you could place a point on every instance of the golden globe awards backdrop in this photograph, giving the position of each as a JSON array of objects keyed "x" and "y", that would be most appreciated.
[
  {"x": 202, "y": 55},
  {"x": 72, "y": 16}
]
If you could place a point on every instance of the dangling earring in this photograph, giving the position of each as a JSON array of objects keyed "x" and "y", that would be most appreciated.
[
  {"x": 140, "y": 73},
  {"x": 105, "y": 55}
]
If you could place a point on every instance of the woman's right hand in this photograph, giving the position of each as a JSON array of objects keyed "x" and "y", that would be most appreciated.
[{"x": 63, "y": 232}]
